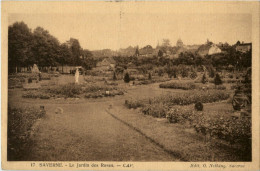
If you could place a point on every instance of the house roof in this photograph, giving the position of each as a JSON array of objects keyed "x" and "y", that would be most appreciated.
[
  {"x": 245, "y": 44},
  {"x": 110, "y": 60}
]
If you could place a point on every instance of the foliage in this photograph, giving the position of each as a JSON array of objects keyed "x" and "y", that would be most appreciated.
[
  {"x": 127, "y": 78},
  {"x": 19, "y": 45},
  {"x": 179, "y": 114},
  {"x": 231, "y": 130},
  {"x": 211, "y": 71},
  {"x": 198, "y": 106},
  {"x": 20, "y": 122},
  {"x": 26, "y": 47},
  {"x": 192, "y": 97},
  {"x": 134, "y": 104},
  {"x": 217, "y": 80},
  {"x": 158, "y": 110},
  {"x": 160, "y": 53},
  {"x": 222, "y": 126},
  {"x": 15, "y": 82},
  {"x": 67, "y": 90},
  {"x": 114, "y": 76},
  {"x": 149, "y": 76},
  {"x": 193, "y": 74},
  {"x": 36, "y": 94},
  {"x": 101, "y": 94},
  {"x": 178, "y": 85},
  {"x": 72, "y": 90},
  {"x": 204, "y": 79},
  {"x": 181, "y": 99}
]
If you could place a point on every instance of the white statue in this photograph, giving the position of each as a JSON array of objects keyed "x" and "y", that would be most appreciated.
[
  {"x": 35, "y": 69},
  {"x": 77, "y": 76}
]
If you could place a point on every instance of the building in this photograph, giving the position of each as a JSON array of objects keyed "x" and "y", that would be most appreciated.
[
  {"x": 208, "y": 49},
  {"x": 244, "y": 47},
  {"x": 106, "y": 64},
  {"x": 179, "y": 43},
  {"x": 214, "y": 49},
  {"x": 147, "y": 51}
]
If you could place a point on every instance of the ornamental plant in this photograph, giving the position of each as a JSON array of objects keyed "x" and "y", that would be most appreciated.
[
  {"x": 126, "y": 78},
  {"x": 217, "y": 80}
]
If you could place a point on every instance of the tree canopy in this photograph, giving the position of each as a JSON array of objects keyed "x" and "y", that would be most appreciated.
[{"x": 27, "y": 47}]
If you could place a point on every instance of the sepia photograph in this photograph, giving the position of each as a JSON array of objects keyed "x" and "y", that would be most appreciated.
[{"x": 129, "y": 86}]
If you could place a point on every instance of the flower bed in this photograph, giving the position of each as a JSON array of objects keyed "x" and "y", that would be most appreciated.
[
  {"x": 220, "y": 126},
  {"x": 186, "y": 98},
  {"x": 20, "y": 122},
  {"x": 155, "y": 80},
  {"x": 178, "y": 85},
  {"x": 36, "y": 94},
  {"x": 104, "y": 94},
  {"x": 192, "y": 97},
  {"x": 73, "y": 91},
  {"x": 134, "y": 104},
  {"x": 15, "y": 82},
  {"x": 211, "y": 86}
]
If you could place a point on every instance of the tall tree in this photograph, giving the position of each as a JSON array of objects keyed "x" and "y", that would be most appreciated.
[
  {"x": 19, "y": 45},
  {"x": 65, "y": 55},
  {"x": 76, "y": 51},
  {"x": 137, "y": 52},
  {"x": 46, "y": 48},
  {"x": 88, "y": 62}
]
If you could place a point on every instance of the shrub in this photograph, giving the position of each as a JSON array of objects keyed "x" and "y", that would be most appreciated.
[
  {"x": 29, "y": 80},
  {"x": 231, "y": 130},
  {"x": 134, "y": 103},
  {"x": 114, "y": 76},
  {"x": 158, "y": 110},
  {"x": 179, "y": 114},
  {"x": 217, "y": 80},
  {"x": 211, "y": 72},
  {"x": 221, "y": 126},
  {"x": 199, "y": 106},
  {"x": 176, "y": 85},
  {"x": 204, "y": 79},
  {"x": 149, "y": 76},
  {"x": 221, "y": 87},
  {"x": 20, "y": 122},
  {"x": 127, "y": 78},
  {"x": 184, "y": 73},
  {"x": 193, "y": 74}
]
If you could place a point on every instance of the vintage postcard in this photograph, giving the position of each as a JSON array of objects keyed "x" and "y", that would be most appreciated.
[{"x": 135, "y": 85}]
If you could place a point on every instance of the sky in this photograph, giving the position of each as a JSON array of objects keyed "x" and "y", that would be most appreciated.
[{"x": 119, "y": 30}]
